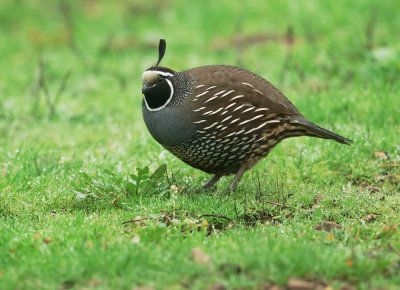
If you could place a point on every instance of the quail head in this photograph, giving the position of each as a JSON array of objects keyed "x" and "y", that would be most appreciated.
[{"x": 220, "y": 119}]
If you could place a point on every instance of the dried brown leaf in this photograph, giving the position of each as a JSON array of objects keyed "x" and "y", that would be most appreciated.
[
  {"x": 371, "y": 217},
  {"x": 327, "y": 226},
  {"x": 46, "y": 240},
  {"x": 300, "y": 284},
  {"x": 318, "y": 198},
  {"x": 217, "y": 286},
  {"x": 349, "y": 263},
  {"x": 144, "y": 288},
  {"x": 380, "y": 154},
  {"x": 200, "y": 257}
]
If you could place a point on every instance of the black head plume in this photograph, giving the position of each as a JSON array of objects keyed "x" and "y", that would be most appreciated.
[{"x": 161, "y": 50}]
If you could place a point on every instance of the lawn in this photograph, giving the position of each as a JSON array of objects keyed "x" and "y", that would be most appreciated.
[{"x": 80, "y": 206}]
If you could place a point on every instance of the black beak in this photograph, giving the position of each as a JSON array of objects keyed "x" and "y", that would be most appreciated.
[{"x": 145, "y": 88}]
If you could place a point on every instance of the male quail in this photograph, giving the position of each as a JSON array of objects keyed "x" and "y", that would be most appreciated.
[{"x": 220, "y": 119}]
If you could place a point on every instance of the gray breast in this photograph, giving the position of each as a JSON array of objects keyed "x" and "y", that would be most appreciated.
[{"x": 169, "y": 126}]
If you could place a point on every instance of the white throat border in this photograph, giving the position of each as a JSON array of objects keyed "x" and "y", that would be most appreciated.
[{"x": 169, "y": 99}]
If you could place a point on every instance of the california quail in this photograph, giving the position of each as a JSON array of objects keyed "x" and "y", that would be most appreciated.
[{"x": 220, "y": 119}]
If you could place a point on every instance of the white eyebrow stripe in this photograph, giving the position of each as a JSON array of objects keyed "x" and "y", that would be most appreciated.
[
  {"x": 227, "y": 93},
  {"x": 210, "y": 126},
  {"x": 210, "y": 99},
  {"x": 247, "y": 84},
  {"x": 251, "y": 108},
  {"x": 209, "y": 88},
  {"x": 241, "y": 106},
  {"x": 199, "y": 109},
  {"x": 165, "y": 74},
  {"x": 198, "y": 122},
  {"x": 261, "y": 109},
  {"x": 237, "y": 97}
]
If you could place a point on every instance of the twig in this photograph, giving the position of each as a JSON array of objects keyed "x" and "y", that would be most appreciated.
[
  {"x": 133, "y": 221},
  {"x": 35, "y": 89},
  {"x": 217, "y": 216},
  {"x": 234, "y": 203},
  {"x": 370, "y": 29},
  {"x": 158, "y": 169},
  {"x": 288, "y": 58},
  {"x": 280, "y": 204}
]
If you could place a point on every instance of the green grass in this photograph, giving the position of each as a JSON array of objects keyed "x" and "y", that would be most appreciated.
[{"x": 67, "y": 177}]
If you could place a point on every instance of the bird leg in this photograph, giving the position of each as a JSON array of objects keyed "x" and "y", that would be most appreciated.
[
  {"x": 212, "y": 181},
  {"x": 236, "y": 179}
]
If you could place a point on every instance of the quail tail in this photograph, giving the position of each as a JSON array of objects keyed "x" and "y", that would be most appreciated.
[{"x": 317, "y": 131}]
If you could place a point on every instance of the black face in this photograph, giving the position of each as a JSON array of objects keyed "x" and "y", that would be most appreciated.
[{"x": 157, "y": 87}]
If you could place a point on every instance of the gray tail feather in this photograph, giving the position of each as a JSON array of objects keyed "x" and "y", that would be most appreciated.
[{"x": 317, "y": 131}]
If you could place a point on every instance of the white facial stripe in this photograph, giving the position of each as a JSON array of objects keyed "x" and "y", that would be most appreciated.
[
  {"x": 149, "y": 75},
  {"x": 166, "y": 103},
  {"x": 163, "y": 73}
]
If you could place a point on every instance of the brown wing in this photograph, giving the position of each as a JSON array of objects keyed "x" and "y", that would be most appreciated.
[
  {"x": 230, "y": 101},
  {"x": 257, "y": 91}
]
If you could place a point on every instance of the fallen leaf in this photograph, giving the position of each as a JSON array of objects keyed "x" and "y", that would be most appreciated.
[
  {"x": 370, "y": 218},
  {"x": 327, "y": 226},
  {"x": 144, "y": 288},
  {"x": 90, "y": 244},
  {"x": 200, "y": 257},
  {"x": 12, "y": 251},
  {"x": 36, "y": 236},
  {"x": 390, "y": 165},
  {"x": 231, "y": 268},
  {"x": 349, "y": 263},
  {"x": 299, "y": 284},
  {"x": 94, "y": 282},
  {"x": 46, "y": 240},
  {"x": 372, "y": 189},
  {"x": 217, "y": 286},
  {"x": 330, "y": 237},
  {"x": 380, "y": 154},
  {"x": 135, "y": 239},
  {"x": 114, "y": 200},
  {"x": 318, "y": 198},
  {"x": 386, "y": 229}
]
